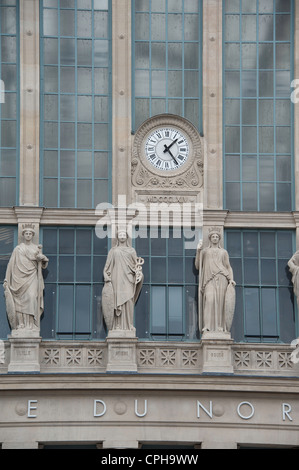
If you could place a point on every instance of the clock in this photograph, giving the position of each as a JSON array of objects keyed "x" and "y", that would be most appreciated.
[{"x": 167, "y": 149}]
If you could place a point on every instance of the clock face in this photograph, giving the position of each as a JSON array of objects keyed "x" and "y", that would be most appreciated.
[{"x": 167, "y": 149}]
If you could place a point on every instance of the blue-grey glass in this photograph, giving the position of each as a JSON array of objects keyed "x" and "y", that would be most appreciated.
[
  {"x": 101, "y": 53},
  {"x": 249, "y": 197},
  {"x": 191, "y": 27},
  {"x": 142, "y": 26},
  {"x": 190, "y": 270},
  {"x": 232, "y": 84},
  {"x": 284, "y": 244},
  {"x": 283, "y": 83},
  {"x": 158, "y": 55},
  {"x": 7, "y": 162},
  {"x": 249, "y": 139},
  {"x": 84, "y": 23},
  {"x": 158, "y": 83},
  {"x": 84, "y": 136},
  {"x": 85, "y": 108},
  {"x": 141, "y": 5},
  {"x": 283, "y": 140},
  {"x": 175, "y": 271},
  {"x": 267, "y": 197},
  {"x": 191, "y": 56},
  {"x": 158, "y": 270},
  {"x": 101, "y": 24},
  {"x": 283, "y": 5},
  {"x": 51, "y": 107},
  {"x": 82, "y": 322},
  {"x": 66, "y": 241},
  {"x": 7, "y": 192},
  {"x": 84, "y": 164},
  {"x": 67, "y": 135},
  {"x": 283, "y": 56},
  {"x": 266, "y": 27},
  {"x": 175, "y": 27},
  {"x": 84, "y": 4},
  {"x": 8, "y": 134},
  {"x": 191, "y": 111},
  {"x": 268, "y": 244},
  {"x": 142, "y": 83},
  {"x": 175, "y": 309},
  {"x": 50, "y": 273},
  {"x": 9, "y": 77},
  {"x": 269, "y": 309},
  {"x": 84, "y": 194},
  {"x": 252, "y": 322},
  {"x": 232, "y": 140},
  {"x": 158, "y": 27},
  {"x": 100, "y": 192},
  {"x": 142, "y": 55},
  {"x": 284, "y": 196},
  {"x": 158, "y": 106},
  {"x": 232, "y": 27},
  {"x": 51, "y": 79},
  {"x": 98, "y": 268},
  {"x": 233, "y": 244},
  {"x": 237, "y": 329},
  {"x": 8, "y": 20},
  {"x": 67, "y": 51},
  {"x": 9, "y": 49},
  {"x": 159, "y": 5},
  {"x": 101, "y": 165},
  {"x": 67, "y": 79},
  {"x": 249, "y": 168},
  {"x": 286, "y": 315},
  {"x": 173, "y": 6},
  {"x": 158, "y": 244},
  {"x": 249, "y": 84},
  {"x": 266, "y": 84},
  {"x": 283, "y": 27},
  {"x": 232, "y": 56},
  {"x": 6, "y": 241},
  {"x": 50, "y": 241},
  {"x": 84, "y": 52},
  {"x": 84, "y": 77},
  {"x": 265, "y": 6},
  {"x": 67, "y": 163},
  {"x": 191, "y": 84},
  {"x": 191, "y": 315},
  {"x": 175, "y": 83},
  {"x": 236, "y": 265},
  {"x": 101, "y": 136},
  {"x": 283, "y": 112},
  {"x": 48, "y": 321},
  {"x": 101, "y": 111},
  {"x": 232, "y": 112},
  {"x": 83, "y": 268},
  {"x": 175, "y": 55},
  {"x": 266, "y": 139},
  {"x": 266, "y": 56},
  {"x": 249, "y": 56},
  {"x": 232, "y": 6},
  {"x": 65, "y": 309},
  {"x": 266, "y": 168},
  {"x": 142, "y": 109},
  {"x": 233, "y": 196},
  {"x": 158, "y": 302},
  {"x": 268, "y": 271},
  {"x": 175, "y": 107},
  {"x": 142, "y": 314},
  {"x": 250, "y": 244},
  {"x": 101, "y": 4},
  {"x": 67, "y": 193},
  {"x": 283, "y": 272},
  {"x": 249, "y": 27},
  {"x": 67, "y": 23},
  {"x": 266, "y": 116},
  {"x": 283, "y": 168},
  {"x": 67, "y": 3},
  {"x": 248, "y": 6},
  {"x": 175, "y": 243},
  {"x": 67, "y": 107},
  {"x": 232, "y": 168},
  {"x": 66, "y": 269},
  {"x": 9, "y": 107},
  {"x": 3, "y": 266},
  {"x": 50, "y": 196}
]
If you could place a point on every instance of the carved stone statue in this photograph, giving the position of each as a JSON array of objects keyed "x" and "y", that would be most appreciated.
[
  {"x": 123, "y": 282},
  {"x": 293, "y": 264},
  {"x": 216, "y": 293},
  {"x": 23, "y": 284}
]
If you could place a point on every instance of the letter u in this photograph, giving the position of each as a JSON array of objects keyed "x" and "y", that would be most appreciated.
[{"x": 140, "y": 415}]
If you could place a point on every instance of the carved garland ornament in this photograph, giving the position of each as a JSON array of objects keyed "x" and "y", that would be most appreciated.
[{"x": 189, "y": 176}]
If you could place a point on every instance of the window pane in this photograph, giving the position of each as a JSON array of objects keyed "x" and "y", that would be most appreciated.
[
  {"x": 252, "y": 322},
  {"x": 175, "y": 302},
  {"x": 158, "y": 310}
]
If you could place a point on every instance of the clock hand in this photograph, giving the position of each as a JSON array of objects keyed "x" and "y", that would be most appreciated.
[
  {"x": 167, "y": 150},
  {"x": 169, "y": 146}
]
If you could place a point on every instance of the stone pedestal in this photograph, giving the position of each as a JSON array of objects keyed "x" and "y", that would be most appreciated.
[
  {"x": 24, "y": 353},
  {"x": 217, "y": 353},
  {"x": 122, "y": 355}
]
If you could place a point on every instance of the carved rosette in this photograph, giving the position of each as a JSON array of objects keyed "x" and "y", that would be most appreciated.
[{"x": 189, "y": 177}]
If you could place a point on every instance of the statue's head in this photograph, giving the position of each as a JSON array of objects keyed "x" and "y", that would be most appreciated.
[
  {"x": 215, "y": 236},
  {"x": 28, "y": 231}
]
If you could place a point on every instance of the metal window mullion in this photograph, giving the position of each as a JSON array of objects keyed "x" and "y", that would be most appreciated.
[
  {"x": 150, "y": 57},
  {"x": 93, "y": 109},
  {"x": 257, "y": 111},
  {"x": 241, "y": 108},
  {"x": 274, "y": 105},
  {"x": 76, "y": 104},
  {"x": 59, "y": 111}
]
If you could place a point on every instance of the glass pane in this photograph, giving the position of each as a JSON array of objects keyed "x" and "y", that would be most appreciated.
[
  {"x": 252, "y": 323},
  {"x": 84, "y": 194},
  {"x": 65, "y": 309},
  {"x": 268, "y": 271},
  {"x": 175, "y": 271},
  {"x": 251, "y": 271},
  {"x": 158, "y": 270},
  {"x": 233, "y": 196},
  {"x": 269, "y": 309},
  {"x": 267, "y": 242},
  {"x": 175, "y": 309},
  {"x": 66, "y": 241},
  {"x": 250, "y": 244},
  {"x": 83, "y": 269},
  {"x": 158, "y": 301},
  {"x": 66, "y": 269}
]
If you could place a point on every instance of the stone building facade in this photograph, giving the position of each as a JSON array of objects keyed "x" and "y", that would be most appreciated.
[{"x": 85, "y": 85}]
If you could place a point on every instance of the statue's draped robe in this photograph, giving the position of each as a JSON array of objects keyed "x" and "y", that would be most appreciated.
[
  {"x": 120, "y": 269},
  {"x": 215, "y": 274},
  {"x": 24, "y": 282}
]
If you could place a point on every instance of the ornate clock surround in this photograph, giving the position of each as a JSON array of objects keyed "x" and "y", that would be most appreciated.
[{"x": 150, "y": 184}]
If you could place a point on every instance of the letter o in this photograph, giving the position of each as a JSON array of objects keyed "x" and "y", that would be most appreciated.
[{"x": 245, "y": 403}]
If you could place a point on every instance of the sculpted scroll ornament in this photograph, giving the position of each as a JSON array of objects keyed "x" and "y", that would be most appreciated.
[
  {"x": 23, "y": 284},
  {"x": 216, "y": 294}
]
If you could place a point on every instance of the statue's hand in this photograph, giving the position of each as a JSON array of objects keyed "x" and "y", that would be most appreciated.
[
  {"x": 199, "y": 246},
  {"x": 232, "y": 282},
  {"x": 5, "y": 284}
]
